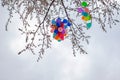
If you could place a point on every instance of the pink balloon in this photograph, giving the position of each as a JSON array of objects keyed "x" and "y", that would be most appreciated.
[
  {"x": 52, "y": 30},
  {"x": 86, "y": 10},
  {"x": 60, "y": 29}
]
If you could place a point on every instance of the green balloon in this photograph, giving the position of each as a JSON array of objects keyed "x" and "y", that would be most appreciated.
[
  {"x": 88, "y": 17},
  {"x": 84, "y": 4},
  {"x": 59, "y": 40}
]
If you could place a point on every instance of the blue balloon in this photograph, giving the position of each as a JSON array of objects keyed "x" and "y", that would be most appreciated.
[
  {"x": 85, "y": 14},
  {"x": 65, "y": 21},
  {"x": 53, "y": 22},
  {"x": 58, "y": 18},
  {"x": 69, "y": 24},
  {"x": 58, "y": 24},
  {"x": 66, "y": 26},
  {"x": 55, "y": 31},
  {"x": 54, "y": 34}
]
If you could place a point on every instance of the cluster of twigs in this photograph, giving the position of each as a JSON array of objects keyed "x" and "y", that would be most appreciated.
[{"x": 43, "y": 11}]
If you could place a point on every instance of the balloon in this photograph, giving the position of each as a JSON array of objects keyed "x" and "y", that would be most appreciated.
[
  {"x": 60, "y": 29},
  {"x": 53, "y": 22},
  {"x": 84, "y": 13},
  {"x": 88, "y": 17},
  {"x": 63, "y": 32},
  {"x": 83, "y": 18},
  {"x": 61, "y": 36},
  {"x": 52, "y": 30},
  {"x": 80, "y": 10},
  {"x": 66, "y": 26},
  {"x": 86, "y": 10},
  {"x": 89, "y": 25},
  {"x": 58, "y": 19},
  {"x": 84, "y": 4},
  {"x": 65, "y": 21},
  {"x": 54, "y": 34},
  {"x": 62, "y": 25},
  {"x": 57, "y": 37},
  {"x": 59, "y": 40},
  {"x": 56, "y": 31},
  {"x": 58, "y": 24},
  {"x": 69, "y": 24},
  {"x": 53, "y": 27}
]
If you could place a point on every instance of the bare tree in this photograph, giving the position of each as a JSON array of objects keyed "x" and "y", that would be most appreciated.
[{"x": 43, "y": 11}]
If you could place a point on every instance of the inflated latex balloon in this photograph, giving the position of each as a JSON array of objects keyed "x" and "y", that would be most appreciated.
[
  {"x": 89, "y": 17},
  {"x": 80, "y": 10},
  {"x": 65, "y": 21},
  {"x": 86, "y": 10},
  {"x": 85, "y": 14},
  {"x": 59, "y": 28},
  {"x": 52, "y": 30},
  {"x": 89, "y": 25},
  {"x": 54, "y": 22},
  {"x": 84, "y": 4},
  {"x": 69, "y": 24}
]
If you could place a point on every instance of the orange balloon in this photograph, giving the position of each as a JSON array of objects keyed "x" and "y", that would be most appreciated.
[
  {"x": 65, "y": 34},
  {"x": 83, "y": 18},
  {"x": 53, "y": 26},
  {"x": 57, "y": 37}
]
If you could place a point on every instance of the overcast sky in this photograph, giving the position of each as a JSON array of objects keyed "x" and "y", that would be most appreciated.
[{"x": 102, "y": 62}]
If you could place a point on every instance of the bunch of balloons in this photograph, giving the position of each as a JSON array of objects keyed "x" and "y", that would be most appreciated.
[
  {"x": 59, "y": 28},
  {"x": 85, "y": 14}
]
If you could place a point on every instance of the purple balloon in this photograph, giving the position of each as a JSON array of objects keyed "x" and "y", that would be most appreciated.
[
  {"x": 63, "y": 32},
  {"x": 58, "y": 20},
  {"x": 80, "y": 10}
]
